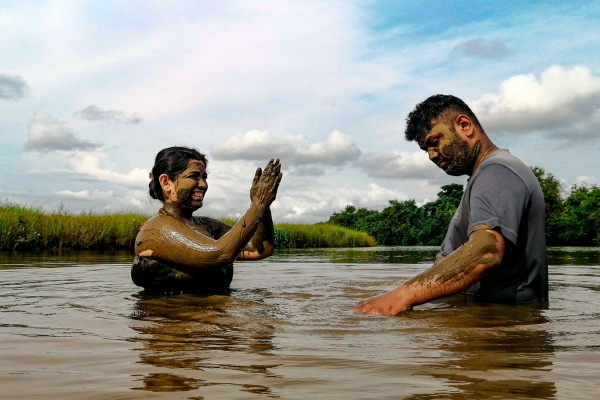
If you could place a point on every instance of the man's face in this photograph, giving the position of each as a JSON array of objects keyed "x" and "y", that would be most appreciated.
[
  {"x": 448, "y": 151},
  {"x": 191, "y": 185}
]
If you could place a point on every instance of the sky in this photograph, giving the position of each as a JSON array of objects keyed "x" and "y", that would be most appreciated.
[{"x": 90, "y": 91}]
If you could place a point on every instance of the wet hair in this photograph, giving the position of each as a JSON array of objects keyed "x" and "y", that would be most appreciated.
[
  {"x": 171, "y": 161},
  {"x": 419, "y": 121}
]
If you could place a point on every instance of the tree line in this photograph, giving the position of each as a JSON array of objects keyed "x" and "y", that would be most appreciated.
[{"x": 572, "y": 217}]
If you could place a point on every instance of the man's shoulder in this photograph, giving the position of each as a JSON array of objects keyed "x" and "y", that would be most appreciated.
[
  {"x": 507, "y": 174},
  {"x": 502, "y": 157},
  {"x": 504, "y": 160}
]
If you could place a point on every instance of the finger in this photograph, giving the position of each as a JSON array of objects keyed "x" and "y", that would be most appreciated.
[
  {"x": 362, "y": 307},
  {"x": 276, "y": 185},
  {"x": 277, "y": 167},
  {"x": 269, "y": 166},
  {"x": 257, "y": 175}
]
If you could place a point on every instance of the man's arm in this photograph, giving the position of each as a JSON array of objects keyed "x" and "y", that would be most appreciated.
[
  {"x": 449, "y": 275},
  {"x": 262, "y": 243}
]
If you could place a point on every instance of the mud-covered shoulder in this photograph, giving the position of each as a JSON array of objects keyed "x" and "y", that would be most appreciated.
[{"x": 213, "y": 227}]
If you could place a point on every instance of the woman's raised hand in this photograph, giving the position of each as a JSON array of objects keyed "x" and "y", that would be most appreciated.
[{"x": 265, "y": 183}]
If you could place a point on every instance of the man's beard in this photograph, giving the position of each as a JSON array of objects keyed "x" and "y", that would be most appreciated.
[{"x": 462, "y": 158}]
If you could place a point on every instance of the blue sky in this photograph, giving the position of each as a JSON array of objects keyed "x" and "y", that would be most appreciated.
[{"x": 91, "y": 91}]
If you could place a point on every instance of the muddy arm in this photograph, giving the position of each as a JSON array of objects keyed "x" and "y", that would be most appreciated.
[
  {"x": 449, "y": 275},
  {"x": 262, "y": 243},
  {"x": 170, "y": 240}
]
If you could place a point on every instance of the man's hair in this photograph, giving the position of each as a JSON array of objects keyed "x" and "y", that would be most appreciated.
[{"x": 418, "y": 121}]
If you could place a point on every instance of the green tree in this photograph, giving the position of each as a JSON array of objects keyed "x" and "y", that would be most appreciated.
[
  {"x": 580, "y": 220},
  {"x": 367, "y": 221},
  {"x": 399, "y": 224},
  {"x": 552, "y": 189},
  {"x": 436, "y": 215},
  {"x": 403, "y": 222},
  {"x": 346, "y": 218}
]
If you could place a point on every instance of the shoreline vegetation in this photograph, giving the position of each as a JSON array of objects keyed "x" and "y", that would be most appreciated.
[
  {"x": 572, "y": 216},
  {"x": 25, "y": 228},
  {"x": 572, "y": 219}
]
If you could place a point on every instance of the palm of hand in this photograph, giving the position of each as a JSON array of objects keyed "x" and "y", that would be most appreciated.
[{"x": 265, "y": 183}]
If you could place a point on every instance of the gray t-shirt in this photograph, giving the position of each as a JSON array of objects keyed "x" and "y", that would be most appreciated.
[{"x": 505, "y": 195}]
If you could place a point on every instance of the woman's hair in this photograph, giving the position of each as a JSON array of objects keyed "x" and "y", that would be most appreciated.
[{"x": 171, "y": 161}]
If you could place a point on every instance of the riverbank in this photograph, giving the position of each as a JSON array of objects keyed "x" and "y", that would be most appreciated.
[{"x": 25, "y": 228}]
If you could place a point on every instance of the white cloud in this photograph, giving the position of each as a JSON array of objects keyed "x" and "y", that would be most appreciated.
[
  {"x": 562, "y": 99},
  {"x": 89, "y": 164},
  {"x": 95, "y": 113},
  {"x": 82, "y": 194},
  {"x": 585, "y": 180},
  {"x": 12, "y": 87},
  {"x": 241, "y": 55},
  {"x": 398, "y": 165},
  {"x": 106, "y": 200},
  {"x": 303, "y": 206},
  {"x": 48, "y": 133},
  {"x": 338, "y": 149}
]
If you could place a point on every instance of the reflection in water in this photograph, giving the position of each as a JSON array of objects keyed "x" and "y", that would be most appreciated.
[
  {"x": 493, "y": 350},
  {"x": 192, "y": 339}
]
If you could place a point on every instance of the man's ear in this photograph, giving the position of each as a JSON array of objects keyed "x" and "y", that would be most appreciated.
[{"x": 464, "y": 126}]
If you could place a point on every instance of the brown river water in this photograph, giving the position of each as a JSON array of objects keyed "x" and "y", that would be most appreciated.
[{"x": 75, "y": 327}]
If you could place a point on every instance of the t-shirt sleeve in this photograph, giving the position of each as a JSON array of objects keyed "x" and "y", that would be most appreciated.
[{"x": 498, "y": 200}]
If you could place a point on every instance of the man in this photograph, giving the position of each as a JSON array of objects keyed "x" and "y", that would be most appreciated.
[{"x": 495, "y": 248}]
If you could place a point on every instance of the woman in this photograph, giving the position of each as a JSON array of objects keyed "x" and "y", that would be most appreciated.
[{"x": 177, "y": 252}]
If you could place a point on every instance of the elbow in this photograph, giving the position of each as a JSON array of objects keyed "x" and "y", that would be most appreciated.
[
  {"x": 488, "y": 248},
  {"x": 268, "y": 250}
]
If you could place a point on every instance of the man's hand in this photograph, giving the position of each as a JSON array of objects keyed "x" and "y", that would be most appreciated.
[{"x": 390, "y": 303}]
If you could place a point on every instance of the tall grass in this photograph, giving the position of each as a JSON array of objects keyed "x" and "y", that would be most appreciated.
[
  {"x": 320, "y": 235},
  {"x": 28, "y": 228},
  {"x": 24, "y": 228}
]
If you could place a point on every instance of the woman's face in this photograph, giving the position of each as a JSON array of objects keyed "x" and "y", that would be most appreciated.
[{"x": 190, "y": 186}]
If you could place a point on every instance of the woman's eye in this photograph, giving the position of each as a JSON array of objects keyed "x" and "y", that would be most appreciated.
[{"x": 199, "y": 177}]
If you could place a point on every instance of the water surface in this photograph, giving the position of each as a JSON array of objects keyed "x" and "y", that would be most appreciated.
[{"x": 74, "y": 327}]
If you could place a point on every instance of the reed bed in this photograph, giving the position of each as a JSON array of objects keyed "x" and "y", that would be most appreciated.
[
  {"x": 320, "y": 235},
  {"x": 25, "y": 228}
]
